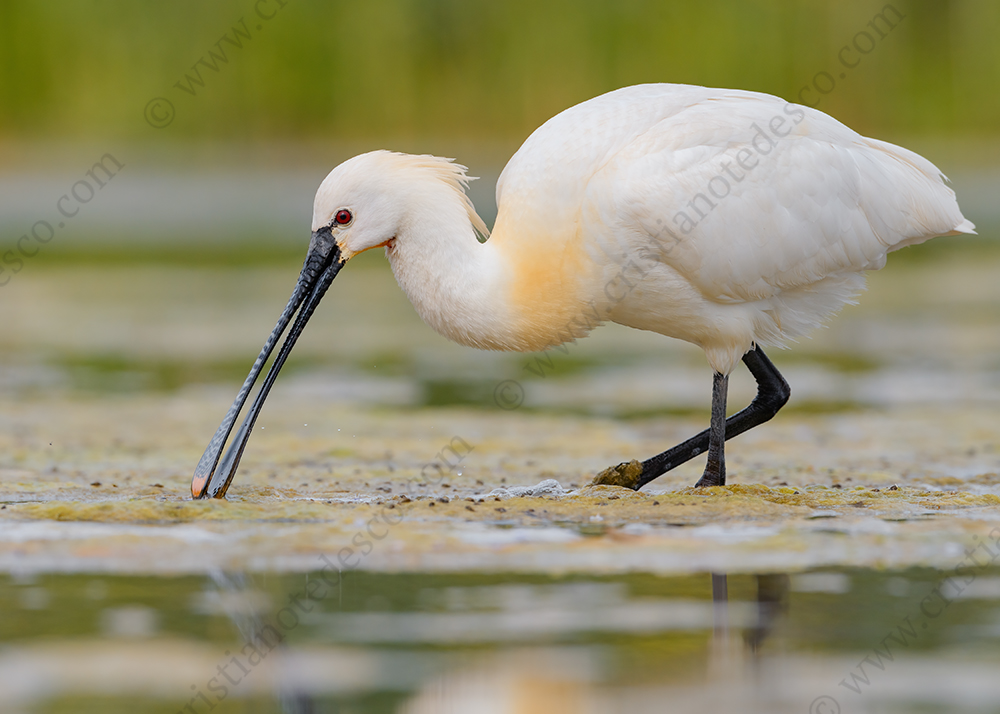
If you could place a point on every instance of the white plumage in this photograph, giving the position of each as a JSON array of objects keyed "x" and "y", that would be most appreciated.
[
  {"x": 725, "y": 218},
  {"x": 745, "y": 219}
]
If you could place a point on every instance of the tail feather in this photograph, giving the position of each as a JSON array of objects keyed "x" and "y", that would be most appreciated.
[{"x": 966, "y": 226}]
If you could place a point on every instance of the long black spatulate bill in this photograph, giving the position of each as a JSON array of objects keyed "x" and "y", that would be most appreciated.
[
  {"x": 219, "y": 483},
  {"x": 321, "y": 266}
]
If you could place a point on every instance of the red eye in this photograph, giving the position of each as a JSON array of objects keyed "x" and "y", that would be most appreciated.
[{"x": 343, "y": 217}]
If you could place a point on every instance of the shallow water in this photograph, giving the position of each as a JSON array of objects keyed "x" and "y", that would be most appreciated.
[
  {"x": 845, "y": 639},
  {"x": 395, "y": 455}
]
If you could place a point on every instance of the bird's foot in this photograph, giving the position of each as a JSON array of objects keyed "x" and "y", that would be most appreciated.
[{"x": 625, "y": 474}]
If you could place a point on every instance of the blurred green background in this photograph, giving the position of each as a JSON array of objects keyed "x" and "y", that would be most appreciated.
[
  {"x": 406, "y": 69},
  {"x": 259, "y": 99},
  {"x": 263, "y": 97}
]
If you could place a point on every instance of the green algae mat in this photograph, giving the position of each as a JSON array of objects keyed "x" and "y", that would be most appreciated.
[{"x": 494, "y": 492}]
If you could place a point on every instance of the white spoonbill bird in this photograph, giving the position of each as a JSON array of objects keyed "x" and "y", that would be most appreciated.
[{"x": 726, "y": 218}]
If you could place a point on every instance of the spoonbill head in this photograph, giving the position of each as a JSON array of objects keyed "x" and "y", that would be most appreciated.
[{"x": 725, "y": 218}]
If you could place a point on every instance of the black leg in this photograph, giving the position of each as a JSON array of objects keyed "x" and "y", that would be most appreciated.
[
  {"x": 772, "y": 394},
  {"x": 715, "y": 469}
]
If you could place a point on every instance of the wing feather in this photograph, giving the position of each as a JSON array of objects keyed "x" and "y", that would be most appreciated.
[{"x": 749, "y": 196}]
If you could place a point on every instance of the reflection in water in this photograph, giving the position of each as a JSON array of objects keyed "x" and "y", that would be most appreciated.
[
  {"x": 543, "y": 681},
  {"x": 585, "y": 618},
  {"x": 720, "y": 601},
  {"x": 498, "y": 643},
  {"x": 772, "y": 601},
  {"x": 563, "y": 680},
  {"x": 735, "y": 670},
  {"x": 241, "y": 603}
]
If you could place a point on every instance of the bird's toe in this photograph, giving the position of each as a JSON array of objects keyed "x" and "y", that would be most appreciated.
[{"x": 625, "y": 474}]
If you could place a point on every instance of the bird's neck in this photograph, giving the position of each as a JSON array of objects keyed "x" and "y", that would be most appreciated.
[
  {"x": 517, "y": 291},
  {"x": 455, "y": 282}
]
